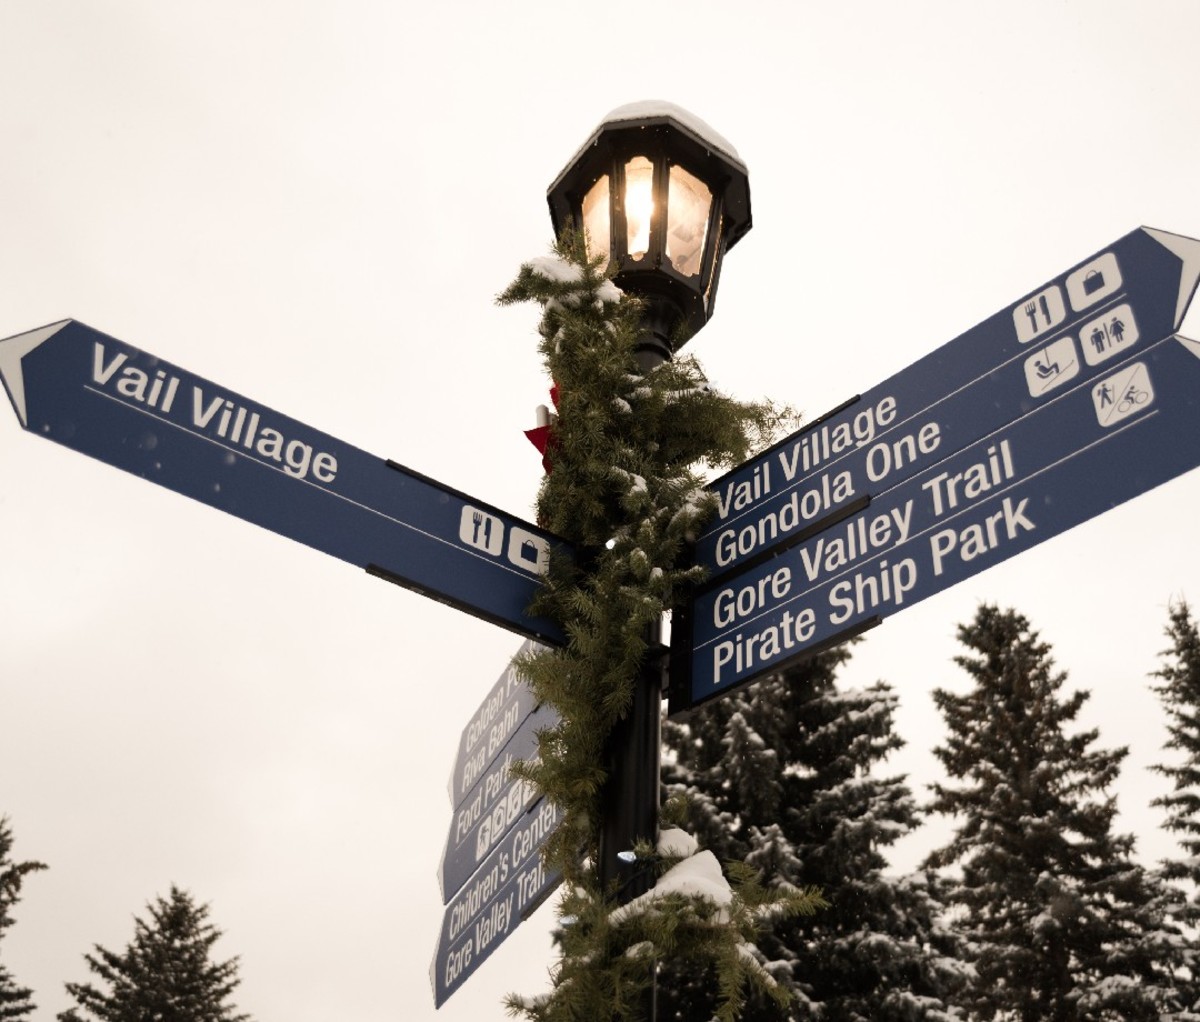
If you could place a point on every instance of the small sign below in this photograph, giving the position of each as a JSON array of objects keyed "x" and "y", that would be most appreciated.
[{"x": 510, "y": 884}]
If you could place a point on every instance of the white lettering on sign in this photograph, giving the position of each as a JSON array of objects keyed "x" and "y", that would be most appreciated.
[
  {"x": 457, "y": 962},
  {"x": 814, "y": 448},
  {"x": 240, "y": 426},
  {"x": 731, "y": 605},
  {"x": 491, "y": 708},
  {"x": 496, "y": 923},
  {"x": 814, "y": 497},
  {"x": 861, "y": 535},
  {"x": 235, "y": 423},
  {"x": 467, "y": 816},
  {"x": 822, "y": 443},
  {"x": 888, "y": 455},
  {"x": 527, "y": 840},
  {"x": 475, "y": 897},
  {"x": 134, "y": 383},
  {"x": 948, "y": 490},
  {"x": 863, "y": 592},
  {"x": 738, "y": 496},
  {"x": 828, "y": 492},
  {"x": 978, "y": 538},
  {"x": 742, "y": 652},
  {"x": 529, "y": 885},
  {"x": 853, "y": 556}
]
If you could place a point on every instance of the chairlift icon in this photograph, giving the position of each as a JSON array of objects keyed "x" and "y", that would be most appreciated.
[{"x": 1051, "y": 366}]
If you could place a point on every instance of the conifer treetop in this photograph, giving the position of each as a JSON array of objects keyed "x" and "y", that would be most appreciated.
[
  {"x": 1058, "y": 918},
  {"x": 165, "y": 973}
]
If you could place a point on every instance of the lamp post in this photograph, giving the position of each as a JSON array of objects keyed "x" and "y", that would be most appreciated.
[{"x": 664, "y": 197}]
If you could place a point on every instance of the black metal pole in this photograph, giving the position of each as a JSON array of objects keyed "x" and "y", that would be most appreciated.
[{"x": 630, "y": 802}]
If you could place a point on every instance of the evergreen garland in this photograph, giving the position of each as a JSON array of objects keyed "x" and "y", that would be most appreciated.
[{"x": 624, "y": 487}]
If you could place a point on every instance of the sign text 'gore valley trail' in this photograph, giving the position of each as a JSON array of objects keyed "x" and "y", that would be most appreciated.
[
  {"x": 1064, "y": 334},
  {"x": 1071, "y": 401}
]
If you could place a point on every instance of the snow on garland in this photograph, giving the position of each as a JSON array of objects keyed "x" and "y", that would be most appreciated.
[{"x": 624, "y": 487}]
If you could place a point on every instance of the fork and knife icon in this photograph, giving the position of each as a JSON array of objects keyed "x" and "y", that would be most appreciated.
[
  {"x": 479, "y": 519},
  {"x": 1031, "y": 310}
]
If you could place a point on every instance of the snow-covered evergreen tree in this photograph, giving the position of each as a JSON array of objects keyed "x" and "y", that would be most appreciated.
[
  {"x": 783, "y": 775},
  {"x": 165, "y": 974},
  {"x": 1060, "y": 923},
  {"x": 16, "y": 1002},
  {"x": 1179, "y": 691},
  {"x": 625, "y": 486}
]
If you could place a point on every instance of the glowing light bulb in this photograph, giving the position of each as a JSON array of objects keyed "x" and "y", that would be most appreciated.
[
  {"x": 596, "y": 218},
  {"x": 639, "y": 205}
]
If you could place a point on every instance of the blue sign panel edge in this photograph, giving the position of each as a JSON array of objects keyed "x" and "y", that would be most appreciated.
[
  {"x": 499, "y": 802},
  {"x": 33, "y": 374},
  {"x": 1148, "y": 258},
  {"x": 1172, "y": 404},
  {"x": 456, "y": 955}
]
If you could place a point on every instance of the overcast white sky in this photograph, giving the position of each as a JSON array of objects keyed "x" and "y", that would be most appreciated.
[{"x": 315, "y": 204}]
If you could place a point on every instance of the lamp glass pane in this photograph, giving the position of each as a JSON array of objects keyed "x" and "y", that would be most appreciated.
[
  {"x": 639, "y": 205},
  {"x": 596, "y": 219},
  {"x": 688, "y": 202}
]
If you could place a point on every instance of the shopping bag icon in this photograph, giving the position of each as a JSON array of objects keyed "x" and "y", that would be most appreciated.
[{"x": 1093, "y": 282}]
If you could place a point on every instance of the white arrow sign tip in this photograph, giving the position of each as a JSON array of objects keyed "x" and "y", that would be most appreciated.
[
  {"x": 12, "y": 350},
  {"x": 1188, "y": 249}
]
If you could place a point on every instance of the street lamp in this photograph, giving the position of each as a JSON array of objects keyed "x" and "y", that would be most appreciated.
[{"x": 663, "y": 196}]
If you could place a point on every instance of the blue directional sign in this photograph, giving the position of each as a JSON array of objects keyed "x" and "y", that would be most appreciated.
[
  {"x": 1083, "y": 449},
  {"x": 487, "y": 802},
  {"x": 506, "y": 889},
  {"x": 101, "y": 397},
  {"x": 1129, "y": 296},
  {"x": 503, "y": 710},
  {"x": 493, "y": 806}
]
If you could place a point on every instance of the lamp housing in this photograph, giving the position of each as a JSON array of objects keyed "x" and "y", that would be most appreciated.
[{"x": 663, "y": 196}]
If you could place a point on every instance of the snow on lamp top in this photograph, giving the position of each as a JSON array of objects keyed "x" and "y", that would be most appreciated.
[
  {"x": 664, "y": 196},
  {"x": 658, "y": 108}
]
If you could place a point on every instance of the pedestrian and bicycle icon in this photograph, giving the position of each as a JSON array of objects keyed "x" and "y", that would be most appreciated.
[
  {"x": 1123, "y": 394},
  {"x": 1133, "y": 397}
]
